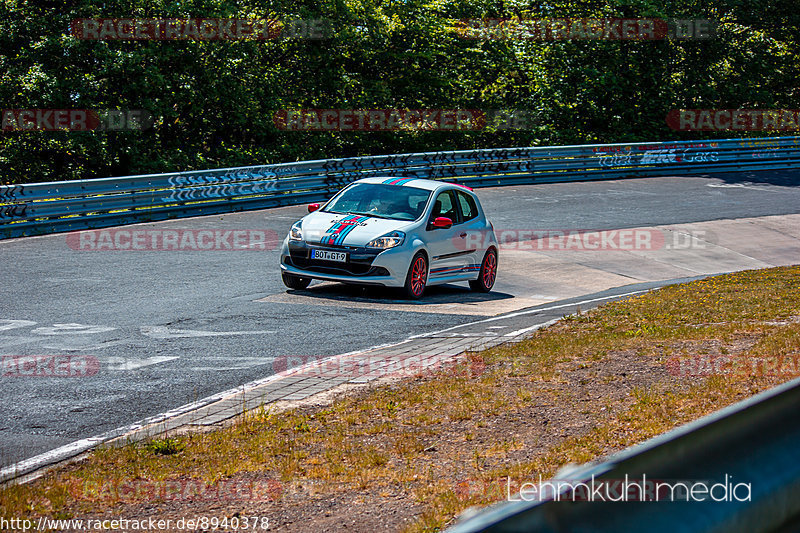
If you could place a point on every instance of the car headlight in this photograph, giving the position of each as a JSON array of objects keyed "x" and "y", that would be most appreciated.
[
  {"x": 296, "y": 233},
  {"x": 390, "y": 240}
]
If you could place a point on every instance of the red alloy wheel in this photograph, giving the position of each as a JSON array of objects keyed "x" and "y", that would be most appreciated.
[
  {"x": 489, "y": 270},
  {"x": 419, "y": 274},
  {"x": 487, "y": 274}
]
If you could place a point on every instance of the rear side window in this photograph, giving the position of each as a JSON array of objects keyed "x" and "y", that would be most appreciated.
[{"x": 468, "y": 208}]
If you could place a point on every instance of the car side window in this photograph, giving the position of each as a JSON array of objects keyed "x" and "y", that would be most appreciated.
[
  {"x": 444, "y": 206},
  {"x": 468, "y": 208}
]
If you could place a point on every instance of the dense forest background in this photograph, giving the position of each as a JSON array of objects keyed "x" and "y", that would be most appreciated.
[{"x": 213, "y": 101}]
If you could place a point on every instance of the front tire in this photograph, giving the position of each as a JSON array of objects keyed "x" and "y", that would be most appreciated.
[
  {"x": 417, "y": 277},
  {"x": 488, "y": 273},
  {"x": 295, "y": 282}
]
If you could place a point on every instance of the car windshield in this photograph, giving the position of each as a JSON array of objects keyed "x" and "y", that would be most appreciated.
[{"x": 380, "y": 200}]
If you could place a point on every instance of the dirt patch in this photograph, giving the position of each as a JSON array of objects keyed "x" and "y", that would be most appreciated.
[{"x": 585, "y": 394}]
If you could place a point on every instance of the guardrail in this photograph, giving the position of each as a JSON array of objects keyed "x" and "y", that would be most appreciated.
[
  {"x": 754, "y": 442},
  {"x": 39, "y": 208}
]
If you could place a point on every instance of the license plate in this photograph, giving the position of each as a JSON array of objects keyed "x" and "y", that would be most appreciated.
[{"x": 325, "y": 255}]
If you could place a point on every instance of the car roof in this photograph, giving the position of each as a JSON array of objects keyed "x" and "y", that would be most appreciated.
[{"x": 419, "y": 183}]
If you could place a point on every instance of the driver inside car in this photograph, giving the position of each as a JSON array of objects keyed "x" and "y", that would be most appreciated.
[{"x": 390, "y": 206}]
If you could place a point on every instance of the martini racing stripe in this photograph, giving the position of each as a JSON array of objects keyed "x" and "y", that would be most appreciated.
[
  {"x": 398, "y": 181},
  {"x": 343, "y": 233},
  {"x": 339, "y": 230},
  {"x": 452, "y": 270},
  {"x": 333, "y": 232}
]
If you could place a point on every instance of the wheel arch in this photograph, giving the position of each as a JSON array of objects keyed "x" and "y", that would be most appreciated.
[{"x": 420, "y": 247}]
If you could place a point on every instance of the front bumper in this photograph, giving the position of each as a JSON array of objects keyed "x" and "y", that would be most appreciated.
[{"x": 363, "y": 266}]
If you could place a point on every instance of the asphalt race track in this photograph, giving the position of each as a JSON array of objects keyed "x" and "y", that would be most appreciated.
[{"x": 165, "y": 328}]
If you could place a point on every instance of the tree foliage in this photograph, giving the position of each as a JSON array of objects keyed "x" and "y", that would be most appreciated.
[{"x": 214, "y": 100}]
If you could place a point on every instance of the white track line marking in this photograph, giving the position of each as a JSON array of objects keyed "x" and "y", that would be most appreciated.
[
  {"x": 162, "y": 332},
  {"x": 530, "y": 311}
]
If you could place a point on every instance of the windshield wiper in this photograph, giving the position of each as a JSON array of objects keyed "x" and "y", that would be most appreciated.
[{"x": 370, "y": 215}]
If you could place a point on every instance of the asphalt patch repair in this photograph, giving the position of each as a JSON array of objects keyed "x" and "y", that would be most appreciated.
[{"x": 412, "y": 454}]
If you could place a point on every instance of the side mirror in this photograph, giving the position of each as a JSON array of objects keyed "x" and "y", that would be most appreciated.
[
  {"x": 442, "y": 223},
  {"x": 312, "y": 207}
]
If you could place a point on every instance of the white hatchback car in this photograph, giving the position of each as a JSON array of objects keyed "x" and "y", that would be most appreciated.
[{"x": 396, "y": 232}]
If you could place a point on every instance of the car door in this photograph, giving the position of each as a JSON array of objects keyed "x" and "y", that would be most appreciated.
[
  {"x": 446, "y": 247},
  {"x": 472, "y": 230}
]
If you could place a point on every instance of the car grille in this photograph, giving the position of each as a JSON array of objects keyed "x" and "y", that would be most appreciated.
[{"x": 359, "y": 261}]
